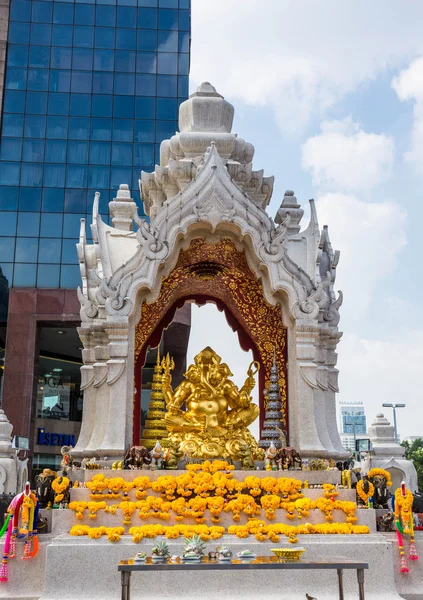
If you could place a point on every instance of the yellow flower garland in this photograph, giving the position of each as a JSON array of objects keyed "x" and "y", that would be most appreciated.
[
  {"x": 60, "y": 487},
  {"x": 380, "y": 473},
  {"x": 360, "y": 491}
]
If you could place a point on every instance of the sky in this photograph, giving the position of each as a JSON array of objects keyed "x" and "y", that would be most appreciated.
[{"x": 331, "y": 95}]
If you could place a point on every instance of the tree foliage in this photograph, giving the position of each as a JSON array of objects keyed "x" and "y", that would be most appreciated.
[{"x": 414, "y": 452}]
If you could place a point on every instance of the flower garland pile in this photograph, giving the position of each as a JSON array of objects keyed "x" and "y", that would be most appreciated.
[
  {"x": 404, "y": 524},
  {"x": 60, "y": 485},
  {"x": 360, "y": 491}
]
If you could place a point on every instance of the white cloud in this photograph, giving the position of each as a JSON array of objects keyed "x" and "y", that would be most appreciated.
[
  {"x": 299, "y": 57},
  {"x": 378, "y": 371},
  {"x": 409, "y": 86},
  {"x": 370, "y": 237},
  {"x": 345, "y": 156}
]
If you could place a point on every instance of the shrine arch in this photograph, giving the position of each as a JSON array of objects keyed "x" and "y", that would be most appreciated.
[{"x": 219, "y": 273}]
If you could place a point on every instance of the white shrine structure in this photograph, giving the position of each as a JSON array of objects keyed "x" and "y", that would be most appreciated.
[{"x": 208, "y": 229}]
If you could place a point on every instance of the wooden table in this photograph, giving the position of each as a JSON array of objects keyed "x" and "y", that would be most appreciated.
[{"x": 127, "y": 567}]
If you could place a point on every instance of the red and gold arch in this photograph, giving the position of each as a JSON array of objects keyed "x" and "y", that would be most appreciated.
[{"x": 217, "y": 273}]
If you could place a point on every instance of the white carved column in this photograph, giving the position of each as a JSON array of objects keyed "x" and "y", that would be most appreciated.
[
  {"x": 321, "y": 393},
  {"x": 309, "y": 419},
  {"x": 117, "y": 373},
  {"x": 332, "y": 339},
  {"x": 101, "y": 391},
  {"x": 88, "y": 390}
]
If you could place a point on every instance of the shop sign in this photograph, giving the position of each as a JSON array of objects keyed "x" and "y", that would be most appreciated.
[{"x": 45, "y": 438}]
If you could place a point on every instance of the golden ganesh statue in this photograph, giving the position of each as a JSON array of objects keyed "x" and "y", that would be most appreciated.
[{"x": 207, "y": 414}]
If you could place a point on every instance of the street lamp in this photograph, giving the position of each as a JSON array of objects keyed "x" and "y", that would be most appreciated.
[{"x": 394, "y": 407}]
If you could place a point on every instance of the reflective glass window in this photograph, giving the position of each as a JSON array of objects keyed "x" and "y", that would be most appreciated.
[
  {"x": 51, "y": 224},
  {"x": 36, "y": 103},
  {"x": 49, "y": 250},
  {"x": 19, "y": 33},
  {"x": 77, "y": 152},
  {"x": 184, "y": 20},
  {"x": 75, "y": 201},
  {"x": 146, "y": 62},
  {"x": 145, "y": 108},
  {"x": 61, "y": 58},
  {"x": 166, "y": 108},
  {"x": 55, "y": 151},
  {"x": 166, "y": 85},
  {"x": 81, "y": 82},
  {"x": 165, "y": 129},
  {"x": 71, "y": 224},
  {"x": 124, "y": 84},
  {"x": 79, "y": 128},
  {"x": 125, "y": 61},
  {"x": 24, "y": 275},
  {"x": 84, "y": 14},
  {"x": 35, "y": 126},
  {"x": 33, "y": 151},
  {"x": 7, "y": 250},
  {"x": 82, "y": 59},
  {"x": 54, "y": 175},
  {"x": 80, "y": 105},
  {"x": 98, "y": 177},
  {"x": 20, "y": 10},
  {"x": 39, "y": 56},
  {"x": 26, "y": 250},
  {"x": 144, "y": 155},
  {"x": 148, "y": 2},
  {"x": 147, "y": 18},
  {"x": 69, "y": 251},
  {"x": 119, "y": 175},
  {"x": 146, "y": 85},
  {"x": 183, "y": 68},
  {"x": 17, "y": 56},
  {"x": 9, "y": 173},
  {"x": 57, "y": 127},
  {"x": 182, "y": 86},
  {"x": 184, "y": 41},
  {"x": 14, "y": 101},
  {"x": 70, "y": 276},
  {"x": 100, "y": 153},
  {"x": 28, "y": 224},
  {"x": 121, "y": 154},
  {"x": 32, "y": 174},
  {"x": 126, "y": 39},
  {"x": 8, "y": 198},
  {"x": 126, "y": 16},
  {"x": 29, "y": 199},
  {"x": 105, "y": 16},
  {"x": 83, "y": 37},
  {"x": 38, "y": 79},
  {"x": 167, "y": 63},
  {"x": 40, "y": 34},
  {"x": 63, "y": 13},
  {"x": 102, "y": 106},
  {"x": 123, "y": 107},
  {"x": 103, "y": 83},
  {"x": 76, "y": 176},
  {"x": 123, "y": 130},
  {"x": 8, "y": 223},
  {"x": 11, "y": 149},
  {"x": 144, "y": 131},
  {"x": 104, "y": 37},
  {"x": 146, "y": 40},
  {"x": 13, "y": 125},
  {"x": 168, "y": 3},
  {"x": 53, "y": 200},
  {"x": 8, "y": 271},
  {"x": 48, "y": 276},
  {"x": 16, "y": 79},
  {"x": 167, "y": 41},
  {"x": 184, "y": 3},
  {"x": 58, "y": 104},
  {"x": 104, "y": 60},
  {"x": 59, "y": 81},
  {"x": 168, "y": 19},
  {"x": 62, "y": 35},
  {"x": 101, "y": 129}
]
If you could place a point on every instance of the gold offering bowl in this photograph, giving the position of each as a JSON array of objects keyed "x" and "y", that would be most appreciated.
[{"x": 288, "y": 553}]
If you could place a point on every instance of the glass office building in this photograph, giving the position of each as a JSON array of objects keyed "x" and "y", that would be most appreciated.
[
  {"x": 353, "y": 417},
  {"x": 91, "y": 89}
]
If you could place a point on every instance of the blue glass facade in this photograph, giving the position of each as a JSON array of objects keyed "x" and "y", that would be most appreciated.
[{"x": 91, "y": 89}]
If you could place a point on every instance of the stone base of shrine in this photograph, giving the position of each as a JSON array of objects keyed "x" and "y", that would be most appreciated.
[{"x": 80, "y": 568}]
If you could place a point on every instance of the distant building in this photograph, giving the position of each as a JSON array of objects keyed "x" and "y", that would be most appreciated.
[
  {"x": 352, "y": 417},
  {"x": 347, "y": 440},
  {"x": 412, "y": 438}
]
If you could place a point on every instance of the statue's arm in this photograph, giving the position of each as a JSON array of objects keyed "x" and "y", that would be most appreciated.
[
  {"x": 236, "y": 398},
  {"x": 178, "y": 398}
]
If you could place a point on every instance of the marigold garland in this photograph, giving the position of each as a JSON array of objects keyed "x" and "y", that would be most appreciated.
[
  {"x": 360, "y": 491},
  {"x": 380, "y": 473},
  {"x": 60, "y": 485}
]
